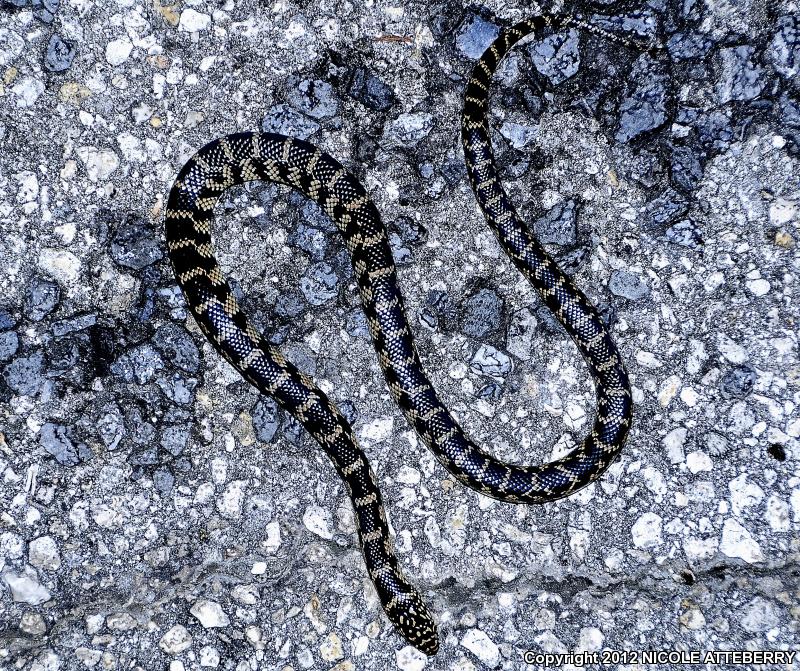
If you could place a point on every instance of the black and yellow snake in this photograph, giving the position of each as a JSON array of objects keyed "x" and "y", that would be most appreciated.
[{"x": 244, "y": 157}]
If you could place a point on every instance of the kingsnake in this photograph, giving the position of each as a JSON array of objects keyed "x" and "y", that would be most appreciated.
[{"x": 243, "y": 157}]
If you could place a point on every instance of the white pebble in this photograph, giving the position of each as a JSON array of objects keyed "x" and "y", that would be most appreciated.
[
  {"x": 673, "y": 444},
  {"x": 654, "y": 481},
  {"x": 245, "y": 594},
  {"x": 410, "y": 659},
  {"x": 758, "y": 287},
  {"x": 176, "y": 640},
  {"x": 94, "y": 623},
  {"x": 11, "y": 546},
  {"x": 668, "y": 391},
  {"x": 689, "y": 396},
  {"x": 33, "y": 624},
  {"x": 43, "y": 553},
  {"x": 458, "y": 371},
  {"x": 273, "y": 539},
  {"x": 219, "y": 470},
  {"x": 27, "y": 90},
  {"x": 209, "y": 614},
  {"x": 204, "y": 493},
  {"x": 193, "y": 21},
  {"x": 782, "y": 211},
  {"x": 795, "y": 501},
  {"x": 408, "y": 475},
  {"x": 28, "y": 187},
  {"x": 699, "y": 549},
  {"x": 480, "y": 645},
  {"x": 26, "y": 589},
  {"x": 777, "y": 514},
  {"x": 693, "y": 618},
  {"x": 317, "y": 520},
  {"x": 230, "y": 502},
  {"x": 549, "y": 642},
  {"x": 737, "y": 542},
  {"x": 646, "y": 531},
  {"x": 647, "y": 359},
  {"x": 518, "y": 135},
  {"x": 714, "y": 281},
  {"x": 304, "y": 658},
  {"x": 11, "y": 46},
  {"x": 590, "y": 640},
  {"x": 761, "y": 615},
  {"x": 117, "y": 51},
  {"x": 66, "y": 231},
  {"x": 331, "y": 648},
  {"x": 209, "y": 656},
  {"x": 46, "y": 661},
  {"x": 131, "y": 147},
  {"x": 614, "y": 560},
  {"x": 575, "y": 417},
  {"x": 99, "y": 163},
  {"x": 60, "y": 264},
  {"x": 698, "y": 461},
  {"x": 121, "y": 622},
  {"x": 433, "y": 532},
  {"x": 732, "y": 351},
  {"x": 579, "y": 540},
  {"x": 377, "y": 430},
  {"x": 744, "y": 494},
  {"x": 740, "y": 417}
]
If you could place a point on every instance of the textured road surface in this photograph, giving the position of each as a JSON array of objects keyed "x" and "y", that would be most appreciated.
[{"x": 157, "y": 513}]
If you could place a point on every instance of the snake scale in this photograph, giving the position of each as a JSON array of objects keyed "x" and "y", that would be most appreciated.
[{"x": 243, "y": 157}]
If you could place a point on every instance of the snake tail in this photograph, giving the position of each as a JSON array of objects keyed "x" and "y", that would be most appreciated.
[{"x": 547, "y": 482}]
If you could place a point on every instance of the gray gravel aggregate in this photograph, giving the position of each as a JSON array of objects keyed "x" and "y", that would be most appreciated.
[{"x": 156, "y": 512}]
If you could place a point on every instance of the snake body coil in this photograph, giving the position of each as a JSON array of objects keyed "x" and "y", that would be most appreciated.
[{"x": 245, "y": 157}]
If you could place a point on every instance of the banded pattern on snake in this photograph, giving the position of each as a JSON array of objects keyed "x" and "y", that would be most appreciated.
[{"x": 244, "y": 157}]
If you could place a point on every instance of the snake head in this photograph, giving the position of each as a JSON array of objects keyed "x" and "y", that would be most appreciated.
[{"x": 414, "y": 621}]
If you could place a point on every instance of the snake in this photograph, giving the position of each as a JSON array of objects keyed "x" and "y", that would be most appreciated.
[{"x": 270, "y": 157}]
